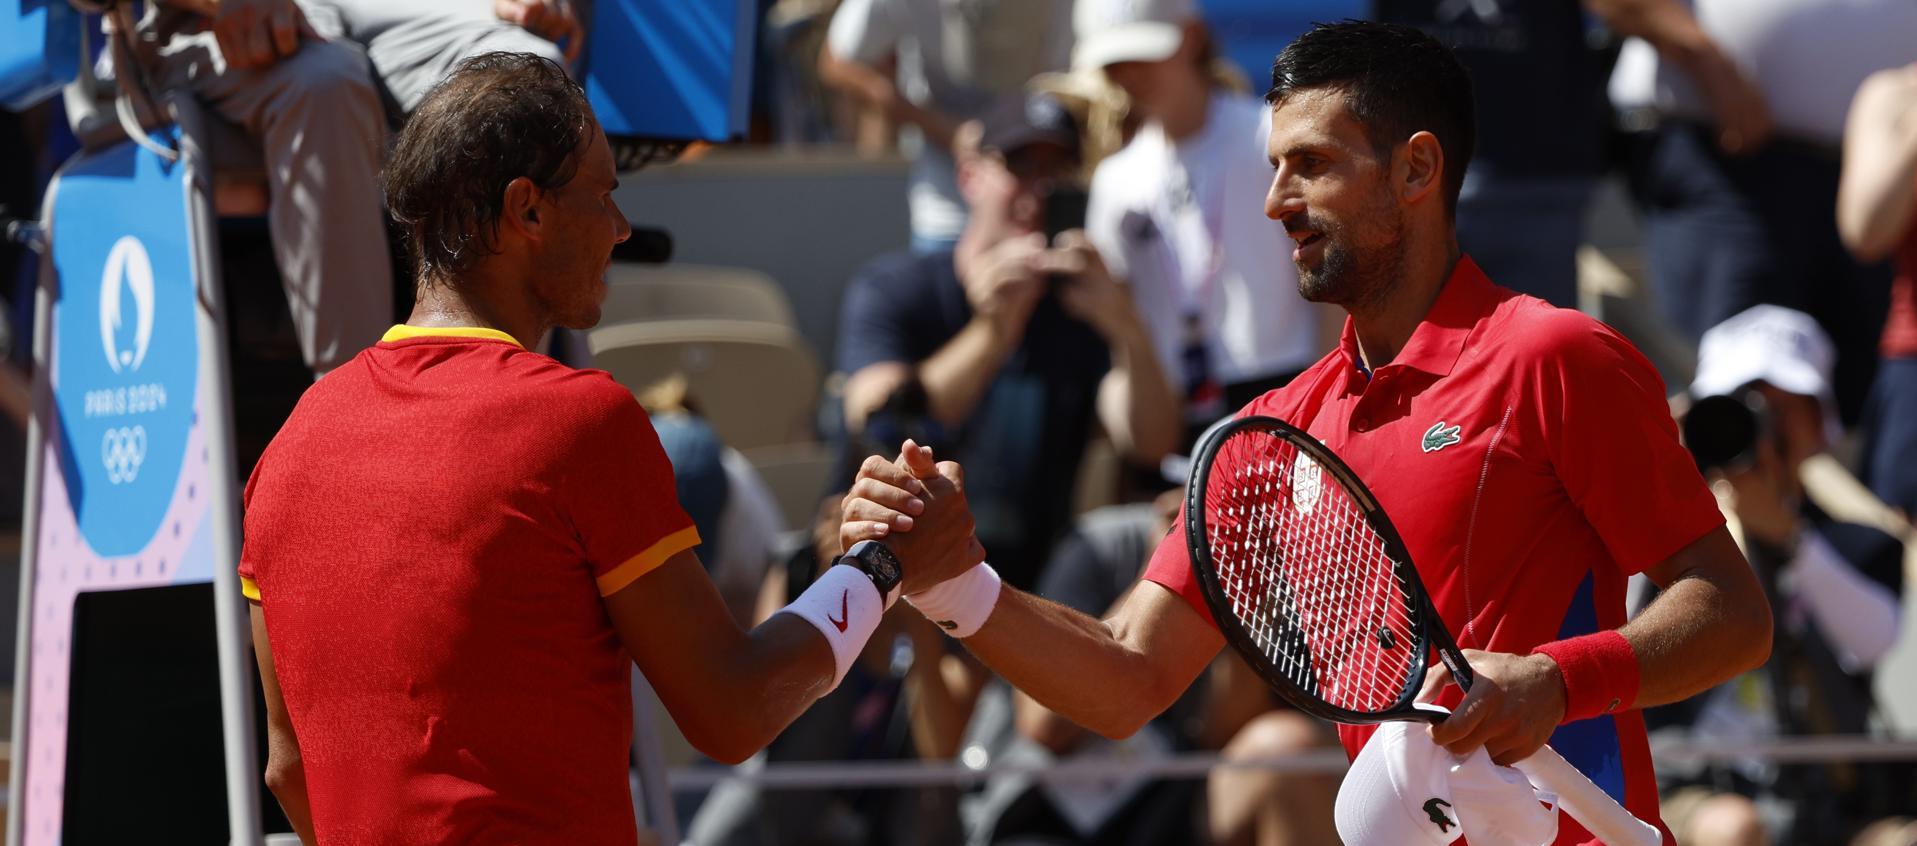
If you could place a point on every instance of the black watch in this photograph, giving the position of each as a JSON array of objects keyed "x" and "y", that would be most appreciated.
[{"x": 877, "y": 563}]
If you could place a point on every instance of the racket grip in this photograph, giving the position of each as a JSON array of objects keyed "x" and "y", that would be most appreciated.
[{"x": 1586, "y": 802}]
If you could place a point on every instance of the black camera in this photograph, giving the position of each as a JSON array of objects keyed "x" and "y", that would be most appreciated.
[
  {"x": 1722, "y": 431},
  {"x": 1064, "y": 210}
]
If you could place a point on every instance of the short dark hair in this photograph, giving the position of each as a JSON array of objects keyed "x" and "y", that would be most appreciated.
[
  {"x": 1397, "y": 81},
  {"x": 497, "y": 117}
]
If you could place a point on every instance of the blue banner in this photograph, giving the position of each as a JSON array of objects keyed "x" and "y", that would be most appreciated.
[
  {"x": 39, "y": 50},
  {"x": 125, "y": 343}
]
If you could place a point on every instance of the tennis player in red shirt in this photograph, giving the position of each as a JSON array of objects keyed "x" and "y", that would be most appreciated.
[
  {"x": 457, "y": 548},
  {"x": 1524, "y": 452}
]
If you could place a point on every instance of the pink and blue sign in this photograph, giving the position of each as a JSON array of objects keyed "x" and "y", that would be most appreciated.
[{"x": 124, "y": 497}]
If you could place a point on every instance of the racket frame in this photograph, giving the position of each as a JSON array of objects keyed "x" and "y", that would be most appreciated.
[
  {"x": 1429, "y": 633},
  {"x": 1598, "y": 811}
]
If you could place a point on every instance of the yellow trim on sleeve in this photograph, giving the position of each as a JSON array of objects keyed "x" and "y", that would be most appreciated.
[
  {"x": 404, "y": 332},
  {"x": 250, "y": 588},
  {"x": 645, "y": 562}
]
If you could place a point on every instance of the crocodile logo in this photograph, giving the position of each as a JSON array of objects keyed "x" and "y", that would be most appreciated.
[
  {"x": 1440, "y": 436},
  {"x": 1434, "y": 808}
]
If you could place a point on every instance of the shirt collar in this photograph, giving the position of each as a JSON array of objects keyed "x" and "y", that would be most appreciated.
[
  {"x": 1434, "y": 347},
  {"x": 404, "y": 332}
]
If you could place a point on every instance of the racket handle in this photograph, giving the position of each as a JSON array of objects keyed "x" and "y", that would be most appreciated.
[{"x": 1586, "y": 802}]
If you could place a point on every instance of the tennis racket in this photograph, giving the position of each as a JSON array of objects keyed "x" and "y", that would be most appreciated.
[{"x": 1311, "y": 584}]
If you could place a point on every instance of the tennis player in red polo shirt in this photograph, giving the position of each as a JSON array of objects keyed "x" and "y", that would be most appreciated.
[
  {"x": 457, "y": 547},
  {"x": 1524, "y": 452}
]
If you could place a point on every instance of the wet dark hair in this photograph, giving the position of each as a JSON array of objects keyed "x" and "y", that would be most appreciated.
[
  {"x": 1397, "y": 81},
  {"x": 498, "y": 117}
]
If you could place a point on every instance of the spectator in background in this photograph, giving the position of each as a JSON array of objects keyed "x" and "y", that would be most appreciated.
[
  {"x": 1173, "y": 213},
  {"x": 311, "y": 103},
  {"x": 1001, "y": 351},
  {"x": 934, "y": 64},
  {"x": 1744, "y": 101},
  {"x": 413, "y": 44},
  {"x": 1231, "y": 710},
  {"x": 1835, "y": 588},
  {"x": 1877, "y": 216},
  {"x": 1541, "y": 124}
]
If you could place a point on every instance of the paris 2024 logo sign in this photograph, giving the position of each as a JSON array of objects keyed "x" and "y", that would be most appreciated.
[{"x": 126, "y": 375}]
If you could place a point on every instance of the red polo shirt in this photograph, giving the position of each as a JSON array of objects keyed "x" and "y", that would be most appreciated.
[
  {"x": 430, "y": 537},
  {"x": 1528, "y": 458}
]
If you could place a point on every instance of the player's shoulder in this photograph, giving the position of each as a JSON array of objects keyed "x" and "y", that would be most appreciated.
[
  {"x": 588, "y": 392},
  {"x": 1298, "y": 400},
  {"x": 1527, "y": 323},
  {"x": 1544, "y": 337},
  {"x": 544, "y": 394}
]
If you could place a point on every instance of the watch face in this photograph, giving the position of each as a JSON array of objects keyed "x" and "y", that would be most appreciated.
[{"x": 878, "y": 562}]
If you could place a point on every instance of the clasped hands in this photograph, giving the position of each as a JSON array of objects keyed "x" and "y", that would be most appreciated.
[{"x": 917, "y": 507}]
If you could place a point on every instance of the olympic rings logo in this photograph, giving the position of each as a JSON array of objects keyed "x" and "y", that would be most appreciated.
[{"x": 122, "y": 450}]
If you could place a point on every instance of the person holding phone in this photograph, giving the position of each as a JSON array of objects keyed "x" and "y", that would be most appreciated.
[
  {"x": 1003, "y": 351},
  {"x": 1176, "y": 212}
]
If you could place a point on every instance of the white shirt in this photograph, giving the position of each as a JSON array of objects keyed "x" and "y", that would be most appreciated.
[
  {"x": 1806, "y": 56},
  {"x": 956, "y": 57},
  {"x": 1159, "y": 237}
]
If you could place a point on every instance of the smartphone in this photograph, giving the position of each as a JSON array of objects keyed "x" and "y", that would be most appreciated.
[{"x": 1064, "y": 210}]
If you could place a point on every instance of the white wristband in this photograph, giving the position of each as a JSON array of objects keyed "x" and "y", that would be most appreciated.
[
  {"x": 845, "y": 606},
  {"x": 961, "y": 604}
]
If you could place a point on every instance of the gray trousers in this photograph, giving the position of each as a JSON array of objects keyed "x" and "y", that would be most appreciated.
[
  {"x": 321, "y": 123},
  {"x": 322, "y": 133},
  {"x": 413, "y": 44}
]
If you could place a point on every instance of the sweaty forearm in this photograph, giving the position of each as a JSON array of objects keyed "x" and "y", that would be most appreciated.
[
  {"x": 1081, "y": 667},
  {"x": 1709, "y": 625},
  {"x": 761, "y": 683}
]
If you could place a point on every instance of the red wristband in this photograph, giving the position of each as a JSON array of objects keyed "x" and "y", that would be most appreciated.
[{"x": 1600, "y": 674}]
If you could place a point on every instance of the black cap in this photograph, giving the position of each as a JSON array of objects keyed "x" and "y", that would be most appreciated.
[{"x": 1029, "y": 119}]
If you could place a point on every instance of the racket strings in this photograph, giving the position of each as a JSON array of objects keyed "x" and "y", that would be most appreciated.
[{"x": 1307, "y": 574}]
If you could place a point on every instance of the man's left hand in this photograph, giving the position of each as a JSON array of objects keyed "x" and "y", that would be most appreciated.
[
  {"x": 1511, "y": 710},
  {"x": 553, "y": 20}
]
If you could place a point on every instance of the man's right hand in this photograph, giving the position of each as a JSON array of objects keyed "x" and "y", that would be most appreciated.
[
  {"x": 1005, "y": 282},
  {"x": 918, "y": 508},
  {"x": 257, "y": 33}
]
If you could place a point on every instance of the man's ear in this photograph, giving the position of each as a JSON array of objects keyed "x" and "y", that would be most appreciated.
[
  {"x": 520, "y": 211},
  {"x": 1420, "y": 168}
]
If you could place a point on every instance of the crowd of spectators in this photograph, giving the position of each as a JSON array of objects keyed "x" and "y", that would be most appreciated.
[{"x": 1088, "y": 265}]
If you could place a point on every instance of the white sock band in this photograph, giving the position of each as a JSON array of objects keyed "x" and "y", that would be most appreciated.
[
  {"x": 961, "y": 604},
  {"x": 845, "y": 606}
]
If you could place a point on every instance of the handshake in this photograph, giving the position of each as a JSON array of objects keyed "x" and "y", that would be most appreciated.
[{"x": 916, "y": 507}]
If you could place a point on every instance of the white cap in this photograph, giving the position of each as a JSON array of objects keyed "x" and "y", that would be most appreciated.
[
  {"x": 1406, "y": 790},
  {"x": 1113, "y": 31},
  {"x": 1784, "y": 348}
]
